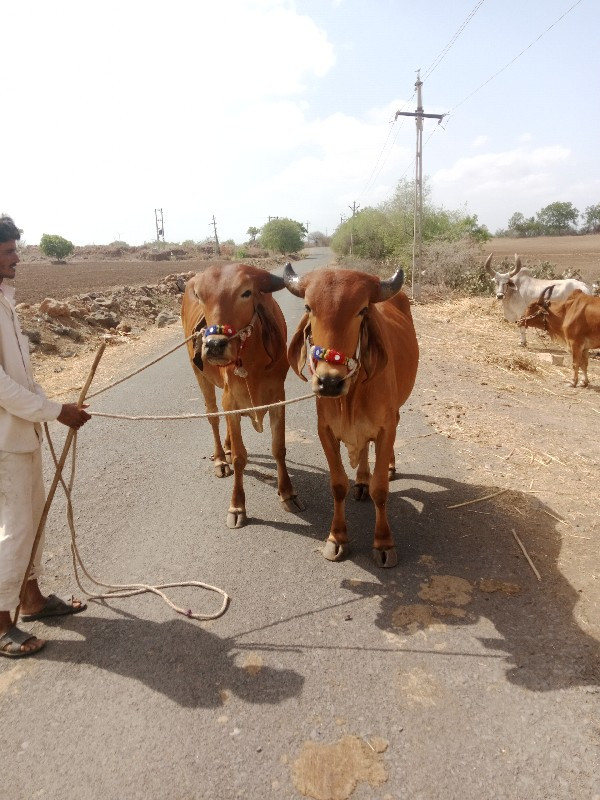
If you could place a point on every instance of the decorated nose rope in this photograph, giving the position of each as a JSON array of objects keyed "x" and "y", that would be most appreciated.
[
  {"x": 228, "y": 330},
  {"x": 331, "y": 356}
]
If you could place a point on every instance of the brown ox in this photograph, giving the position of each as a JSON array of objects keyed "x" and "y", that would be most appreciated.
[
  {"x": 574, "y": 321},
  {"x": 359, "y": 336},
  {"x": 241, "y": 348}
]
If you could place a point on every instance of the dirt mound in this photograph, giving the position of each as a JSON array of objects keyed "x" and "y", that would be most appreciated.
[{"x": 65, "y": 328}]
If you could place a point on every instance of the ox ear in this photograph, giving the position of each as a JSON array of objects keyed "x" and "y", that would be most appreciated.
[
  {"x": 297, "y": 347},
  {"x": 292, "y": 281},
  {"x": 197, "y": 342},
  {"x": 272, "y": 337},
  {"x": 373, "y": 354},
  {"x": 488, "y": 265},
  {"x": 544, "y": 298}
]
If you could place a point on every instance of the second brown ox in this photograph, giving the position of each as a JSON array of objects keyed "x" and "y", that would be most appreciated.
[
  {"x": 362, "y": 351},
  {"x": 240, "y": 347},
  {"x": 574, "y": 321}
]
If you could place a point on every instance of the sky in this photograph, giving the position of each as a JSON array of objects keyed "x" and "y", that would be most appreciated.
[{"x": 241, "y": 110}]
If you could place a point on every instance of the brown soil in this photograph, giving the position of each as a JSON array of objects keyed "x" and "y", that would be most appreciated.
[{"x": 581, "y": 253}]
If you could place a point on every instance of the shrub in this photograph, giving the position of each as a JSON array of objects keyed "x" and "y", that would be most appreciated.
[{"x": 56, "y": 246}]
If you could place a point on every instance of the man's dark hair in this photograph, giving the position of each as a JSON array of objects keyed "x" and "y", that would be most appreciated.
[{"x": 8, "y": 229}]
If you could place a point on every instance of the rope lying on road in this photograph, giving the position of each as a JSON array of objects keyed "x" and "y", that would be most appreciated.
[{"x": 124, "y": 590}]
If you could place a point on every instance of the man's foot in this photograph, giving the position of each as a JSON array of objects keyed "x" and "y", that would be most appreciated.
[
  {"x": 51, "y": 606},
  {"x": 15, "y": 643}
]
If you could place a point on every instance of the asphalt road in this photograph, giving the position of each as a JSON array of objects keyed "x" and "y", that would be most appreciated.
[{"x": 455, "y": 675}]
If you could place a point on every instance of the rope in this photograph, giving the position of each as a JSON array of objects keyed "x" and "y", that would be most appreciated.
[
  {"x": 141, "y": 369},
  {"x": 123, "y": 590},
  {"x": 208, "y": 414},
  {"x": 130, "y": 590}
]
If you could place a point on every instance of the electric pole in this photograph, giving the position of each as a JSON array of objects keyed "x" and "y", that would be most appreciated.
[
  {"x": 217, "y": 246},
  {"x": 160, "y": 226},
  {"x": 419, "y": 116},
  {"x": 353, "y": 208}
]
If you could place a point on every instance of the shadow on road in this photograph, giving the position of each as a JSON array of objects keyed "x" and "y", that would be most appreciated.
[
  {"x": 459, "y": 566},
  {"x": 188, "y": 664}
]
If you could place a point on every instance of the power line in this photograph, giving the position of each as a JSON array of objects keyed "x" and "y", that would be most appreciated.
[
  {"x": 512, "y": 61},
  {"x": 446, "y": 50}
]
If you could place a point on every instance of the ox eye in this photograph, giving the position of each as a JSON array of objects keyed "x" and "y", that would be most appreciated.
[
  {"x": 307, "y": 309},
  {"x": 363, "y": 311},
  {"x": 247, "y": 293}
]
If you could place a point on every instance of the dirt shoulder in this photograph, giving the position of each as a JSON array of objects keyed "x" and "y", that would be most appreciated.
[{"x": 518, "y": 427}]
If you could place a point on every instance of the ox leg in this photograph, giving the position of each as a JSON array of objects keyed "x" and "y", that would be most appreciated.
[
  {"x": 363, "y": 475},
  {"x": 584, "y": 367},
  {"x": 577, "y": 356},
  {"x": 285, "y": 489},
  {"x": 384, "y": 551},
  {"x": 336, "y": 546},
  {"x": 523, "y": 336},
  {"x": 236, "y": 516},
  {"x": 222, "y": 468}
]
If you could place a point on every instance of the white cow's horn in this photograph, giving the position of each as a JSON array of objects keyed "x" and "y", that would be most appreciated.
[{"x": 488, "y": 265}]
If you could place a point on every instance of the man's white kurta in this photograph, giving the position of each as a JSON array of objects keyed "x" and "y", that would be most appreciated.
[{"x": 23, "y": 406}]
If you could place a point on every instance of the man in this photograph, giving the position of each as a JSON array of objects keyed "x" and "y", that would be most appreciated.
[{"x": 23, "y": 406}]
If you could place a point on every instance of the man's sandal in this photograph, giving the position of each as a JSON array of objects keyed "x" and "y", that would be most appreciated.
[
  {"x": 55, "y": 607},
  {"x": 11, "y": 641}
]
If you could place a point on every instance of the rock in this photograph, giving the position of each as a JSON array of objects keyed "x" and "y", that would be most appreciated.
[
  {"x": 54, "y": 308},
  {"x": 35, "y": 337},
  {"x": 107, "y": 304},
  {"x": 104, "y": 319},
  {"x": 165, "y": 318}
]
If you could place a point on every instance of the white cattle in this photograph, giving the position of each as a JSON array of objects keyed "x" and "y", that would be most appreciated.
[{"x": 517, "y": 288}]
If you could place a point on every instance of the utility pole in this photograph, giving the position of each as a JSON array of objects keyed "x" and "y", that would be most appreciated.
[
  {"x": 419, "y": 116},
  {"x": 353, "y": 208},
  {"x": 160, "y": 226},
  {"x": 217, "y": 246}
]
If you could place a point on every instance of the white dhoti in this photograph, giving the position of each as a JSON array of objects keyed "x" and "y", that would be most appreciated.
[{"x": 22, "y": 499}]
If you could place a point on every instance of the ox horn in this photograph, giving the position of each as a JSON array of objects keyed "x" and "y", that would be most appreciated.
[
  {"x": 545, "y": 296},
  {"x": 516, "y": 267},
  {"x": 488, "y": 265},
  {"x": 292, "y": 281},
  {"x": 389, "y": 287}
]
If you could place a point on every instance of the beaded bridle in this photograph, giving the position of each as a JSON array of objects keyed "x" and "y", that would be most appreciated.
[
  {"x": 331, "y": 356},
  {"x": 230, "y": 332}
]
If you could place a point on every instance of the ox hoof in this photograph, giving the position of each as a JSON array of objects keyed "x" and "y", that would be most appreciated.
[
  {"x": 334, "y": 551},
  {"x": 222, "y": 470},
  {"x": 361, "y": 491},
  {"x": 236, "y": 518},
  {"x": 385, "y": 558},
  {"x": 293, "y": 503}
]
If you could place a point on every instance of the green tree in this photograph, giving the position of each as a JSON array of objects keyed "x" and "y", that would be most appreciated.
[
  {"x": 591, "y": 219},
  {"x": 253, "y": 233},
  {"x": 282, "y": 235},
  {"x": 56, "y": 246},
  {"x": 558, "y": 219}
]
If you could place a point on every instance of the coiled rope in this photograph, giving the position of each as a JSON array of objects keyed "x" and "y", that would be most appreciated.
[{"x": 124, "y": 590}]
